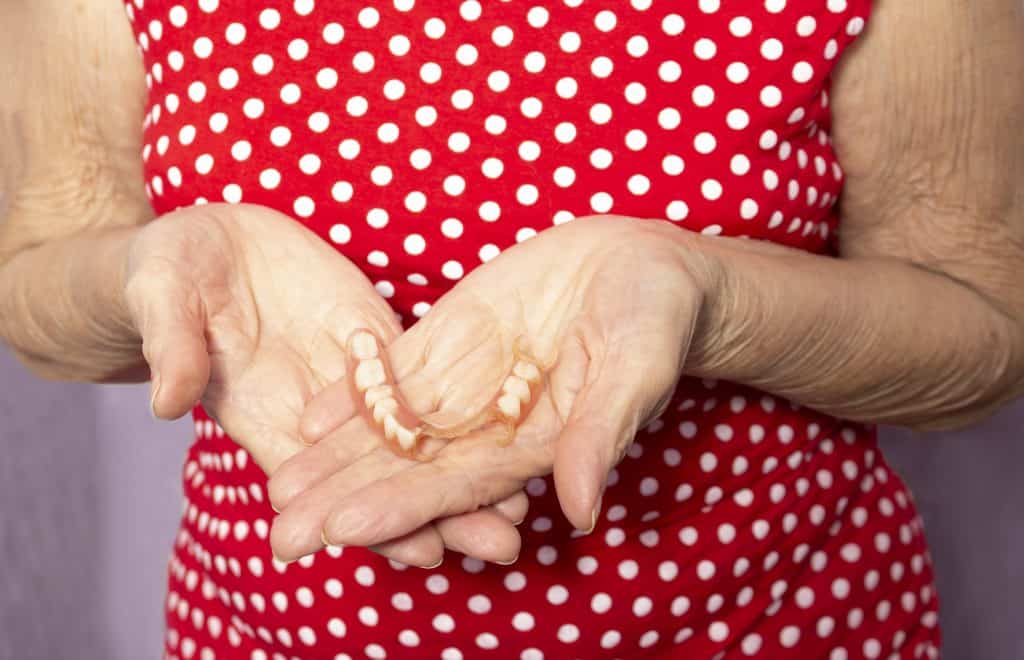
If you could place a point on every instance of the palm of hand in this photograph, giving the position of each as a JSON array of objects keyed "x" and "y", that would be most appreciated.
[
  {"x": 275, "y": 303},
  {"x": 608, "y": 297}
]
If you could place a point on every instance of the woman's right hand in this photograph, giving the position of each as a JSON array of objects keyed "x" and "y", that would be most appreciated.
[{"x": 246, "y": 311}]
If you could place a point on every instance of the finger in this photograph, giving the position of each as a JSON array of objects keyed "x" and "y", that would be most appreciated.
[
  {"x": 623, "y": 385},
  {"x": 601, "y": 424},
  {"x": 341, "y": 448},
  {"x": 172, "y": 326},
  {"x": 485, "y": 535},
  {"x": 513, "y": 508},
  {"x": 327, "y": 411},
  {"x": 445, "y": 362},
  {"x": 423, "y": 548},
  {"x": 298, "y": 530},
  {"x": 391, "y": 507},
  {"x": 582, "y": 462}
]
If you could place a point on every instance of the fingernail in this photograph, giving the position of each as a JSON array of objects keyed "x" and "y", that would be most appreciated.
[
  {"x": 518, "y": 522},
  {"x": 594, "y": 514},
  {"x": 439, "y": 562},
  {"x": 323, "y": 537},
  {"x": 509, "y": 562},
  {"x": 152, "y": 398}
]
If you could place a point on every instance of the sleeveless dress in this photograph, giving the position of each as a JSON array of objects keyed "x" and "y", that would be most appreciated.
[{"x": 422, "y": 137}]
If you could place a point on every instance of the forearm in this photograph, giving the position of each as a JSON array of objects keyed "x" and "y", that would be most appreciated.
[
  {"x": 62, "y": 308},
  {"x": 871, "y": 340}
]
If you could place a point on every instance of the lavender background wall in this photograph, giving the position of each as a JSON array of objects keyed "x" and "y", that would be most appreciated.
[{"x": 89, "y": 501}]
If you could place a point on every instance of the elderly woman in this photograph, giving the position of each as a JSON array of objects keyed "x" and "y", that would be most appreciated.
[{"x": 590, "y": 256}]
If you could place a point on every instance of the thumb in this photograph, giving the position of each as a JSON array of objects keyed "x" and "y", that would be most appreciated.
[
  {"x": 601, "y": 424},
  {"x": 172, "y": 320}
]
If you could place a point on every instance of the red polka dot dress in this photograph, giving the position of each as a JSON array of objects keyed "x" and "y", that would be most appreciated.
[{"x": 423, "y": 137}]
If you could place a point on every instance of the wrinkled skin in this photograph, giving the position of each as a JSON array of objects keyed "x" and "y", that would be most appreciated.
[
  {"x": 245, "y": 310},
  {"x": 615, "y": 300}
]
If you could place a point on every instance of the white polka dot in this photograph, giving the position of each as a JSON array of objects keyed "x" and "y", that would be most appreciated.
[
  {"x": 704, "y": 143},
  {"x": 342, "y": 191},
  {"x": 586, "y": 565},
  {"x": 452, "y": 228},
  {"x": 502, "y": 36},
  {"x": 437, "y": 584},
  {"x": 802, "y": 72},
  {"x": 705, "y": 48},
  {"x": 703, "y": 96},
  {"x": 718, "y": 631},
  {"x": 523, "y": 621},
  {"x": 771, "y": 49},
  {"x": 568, "y": 633},
  {"x": 669, "y": 119},
  {"x": 479, "y": 604},
  {"x": 740, "y": 26},
  {"x": 515, "y": 581},
  {"x": 202, "y": 47},
  {"x": 443, "y": 623},
  {"x": 610, "y": 639},
  {"x": 771, "y": 96},
  {"x": 365, "y": 576},
  {"x": 642, "y": 606},
  {"x": 628, "y": 569},
  {"x": 601, "y": 603}
]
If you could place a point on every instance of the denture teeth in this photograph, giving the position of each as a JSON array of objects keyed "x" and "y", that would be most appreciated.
[
  {"x": 406, "y": 438},
  {"x": 391, "y": 427},
  {"x": 375, "y": 394},
  {"x": 509, "y": 405},
  {"x": 527, "y": 371},
  {"x": 517, "y": 387},
  {"x": 369, "y": 373},
  {"x": 384, "y": 408},
  {"x": 364, "y": 346}
]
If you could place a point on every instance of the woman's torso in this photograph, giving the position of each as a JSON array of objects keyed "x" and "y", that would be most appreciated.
[{"x": 421, "y": 138}]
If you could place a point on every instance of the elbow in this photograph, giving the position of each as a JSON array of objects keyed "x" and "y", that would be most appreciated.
[{"x": 996, "y": 379}]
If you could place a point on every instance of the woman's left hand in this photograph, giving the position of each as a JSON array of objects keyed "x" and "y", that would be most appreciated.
[{"x": 614, "y": 300}]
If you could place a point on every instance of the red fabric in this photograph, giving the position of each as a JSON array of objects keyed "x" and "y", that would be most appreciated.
[{"x": 421, "y": 138}]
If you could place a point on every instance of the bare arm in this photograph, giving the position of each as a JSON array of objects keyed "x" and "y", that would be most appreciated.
[
  {"x": 71, "y": 194},
  {"x": 921, "y": 323}
]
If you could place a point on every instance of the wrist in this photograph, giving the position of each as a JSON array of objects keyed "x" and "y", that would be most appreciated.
[
  {"x": 706, "y": 271},
  {"x": 113, "y": 260},
  {"x": 64, "y": 312}
]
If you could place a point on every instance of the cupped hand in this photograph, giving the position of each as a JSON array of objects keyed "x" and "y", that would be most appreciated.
[
  {"x": 612, "y": 302},
  {"x": 246, "y": 311}
]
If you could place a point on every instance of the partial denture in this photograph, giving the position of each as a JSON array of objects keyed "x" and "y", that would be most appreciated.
[{"x": 374, "y": 384}]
